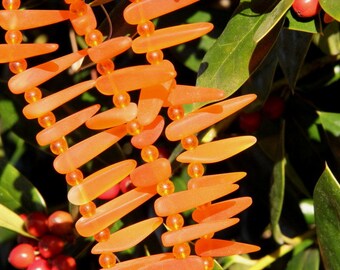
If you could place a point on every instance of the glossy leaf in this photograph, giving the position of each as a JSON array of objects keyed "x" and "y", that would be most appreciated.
[
  {"x": 330, "y": 122},
  {"x": 329, "y": 40},
  {"x": 331, "y": 7},
  {"x": 305, "y": 260},
  {"x": 311, "y": 25},
  {"x": 327, "y": 208}
]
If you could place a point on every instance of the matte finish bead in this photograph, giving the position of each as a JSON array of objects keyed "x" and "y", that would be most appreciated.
[
  {"x": 100, "y": 181},
  {"x": 222, "y": 248},
  {"x": 65, "y": 126},
  {"x": 84, "y": 151},
  {"x": 188, "y": 199},
  {"x": 146, "y": 10},
  {"x": 189, "y": 263},
  {"x": 109, "y": 49},
  {"x": 128, "y": 237},
  {"x": 136, "y": 77},
  {"x": 16, "y": 52},
  {"x": 171, "y": 36},
  {"x": 37, "y": 75},
  {"x": 151, "y": 173},
  {"x": 206, "y": 117},
  {"x": 191, "y": 232},
  {"x": 53, "y": 101},
  {"x": 215, "y": 179},
  {"x": 113, "y": 117},
  {"x": 217, "y": 150},
  {"x": 221, "y": 210},
  {"x": 85, "y": 23},
  {"x": 113, "y": 210},
  {"x": 149, "y": 134},
  {"x": 28, "y": 19}
]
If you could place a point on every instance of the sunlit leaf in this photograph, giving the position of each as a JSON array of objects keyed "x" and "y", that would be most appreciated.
[
  {"x": 329, "y": 40},
  {"x": 305, "y": 260},
  {"x": 331, "y": 7},
  {"x": 311, "y": 25},
  {"x": 330, "y": 122}
]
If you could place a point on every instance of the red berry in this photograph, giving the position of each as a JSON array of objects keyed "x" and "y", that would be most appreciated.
[
  {"x": 50, "y": 246},
  {"x": 306, "y": 8},
  {"x": 126, "y": 185},
  {"x": 36, "y": 224},
  {"x": 250, "y": 122},
  {"x": 60, "y": 223},
  {"x": 111, "y": 193},
  {"x": 40, "y": 264},
  {"x": 64, "y": 262},
  {"x": 21, "y": 256},
  {"x": 274, "y": 107}
]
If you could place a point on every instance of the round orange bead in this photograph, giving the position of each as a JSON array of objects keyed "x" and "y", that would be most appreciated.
[
  {"x": 18, "y": 66},
  {"x": 208, "y": 263},
  {"x": 175, "y": 222},
  {"x": 190, "y": 142},
  {"x": 181, "y": 251},
  {"x": 11, "y": 4},
  {"x": 88, "y": 209},
  {"x": 103, "y": 235},
  {"x": 13, "y": 37},
  {"x": 47, "y": 120},
  {"x": 105, "y": 67},
  {"x": 107, "y": 260},
  {"x": 149, "y": 153},
  {"x": 59, "y": 146},
  {"x": 74, "y": 178},
  {"x": 165, "y": 188},
  {"x": 145, "y": 28},
  {"x": 78, "y": 7},
  {"x": 121, "y": 100},
  {"x": 195, "y": 170},
  {"x": 134, "y": 128},
  {"x": 32, "y": 95},
  {"x": 154, "y": 57},
  {"x": 175, "y": 112},
  {"x": 94, "y": 38}
]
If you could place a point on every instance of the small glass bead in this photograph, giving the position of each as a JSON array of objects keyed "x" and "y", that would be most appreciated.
[
  {"x": 134, "y": 128},
  {"x": 33, "y": 95},
  {"x": 74, "y": 178},
  {"x": 145, "y": 29},
  {"x": 181, "y": 251},
  {"x": 47, "y": 120},
  {"x": 13, "y": 37},
  {"x": 208, "y": 263},
  {"x": 165, "y": 188},
  {"x": 107, "y": 260},
  {"x": 121, "y": 100},
  {"x": 154, "y": 57},
  {"x": 175, "y": 112},
  {"x": 94, "y": 38},
  {"x": 78, "y": 7},
  {"x": 88, "y": 209},
  {"x": 11, "y": 4},
  {"x": 195, "y": 170},
  {"x": 149, "y": 153},
  {"x": 18, "y": 66},
  {"x": 105, "y": 67},
  {"x": 175, "y": 222},
  {"x": 190, "y": 142},
  {"x": 59, "y": 146},
  {"x": 103, "y": 235}
]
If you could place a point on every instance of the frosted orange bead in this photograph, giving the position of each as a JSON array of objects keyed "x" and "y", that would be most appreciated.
[
  {"x": 171, "y": 36},
  {"x": 185, "y": 94},
  {"x": 221, "y": 210},
  {"x": 195, "y": 231},
  {"x": 13, "y": 37},
  {"x": 174, "y": 222},
  {"x": 165, "y": 187},
  {"x": 175, "y": 112},
  {"x": 107, "y": 260},
  {"x": 114, "y": 210},
  {"x": 18, "y": 66},
  {"x": 55, "y": 100},
  {"x": 83, "y": 21},
  {"x": 11, "y": 4},
  {"x": 33, "y": 95},
  {"x": 195, "y": 169},
  {"x": 109, "y": 49},
  {"x": 121, "y": 99},
  {"x": 154, "y": 57},
  {"x": 217, "y": 150},
  {"x": 78, "y": 8},
  {"x": 151, "y": 173},
  {"x": 139, "y": 12},
  {"x": 28, "y": 19},
  {"x": 94, "y": 38},
  {"x": 103, "y": 235},
  {"x": 100, "y": 181},
  {"x": 149, "y": 153},
  {"x": 215, "y": 179},
  {"x": 74, "y": 178},
  {"x": 181, "y": 250},
  {"x": 59, "y": 146},
  {"x": 128, "y": 237},
  {"x": 113, "y": 117},
  {"x": 136, "y": 77},
  {"x": 189, "y": 263},
  {"x": 188, "y": 199},
  {"x": 221, "y": 248},
  {"x": 149, "y": 134},
  {"x": 105, "y": 67},
  {"x": 65, "y": 126},
  {"x": 88, "y": 209},
  {"x": 84, "y": 151},
  {"x": 146, "y": 28},
  {"x": 15, "y": 52},
  {"x": 133, "y": 127},
  {"x": 47, "y": 120},
  {"x": 190, "y": 142},
  {"x": 37, "y": 75},
  {"x": 205, "y": 117}
]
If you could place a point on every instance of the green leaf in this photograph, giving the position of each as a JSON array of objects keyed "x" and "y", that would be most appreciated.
[
  {"x": 304, "y": 25},
  {"x": 329, "y": 40},
  {"x": 330, "y": 122},
  {"x": 306, "y": 260},
  {"x": 331, "y": 7},
  {"x": 8, "y": 115},
  {"x": 327, "y": 218}
]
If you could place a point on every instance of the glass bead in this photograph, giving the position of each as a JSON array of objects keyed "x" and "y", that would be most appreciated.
[
  {"x": 74, "y": 178},
  {"x": 175, "y": 222},
  {"x": 11, "y": 4},
  {"x": 13, "y": 37},
  {"x": 181, "y": 251},
  {"x": 107, "y": 260},
  {"x": 59, "y": 146},
  {"x": 105, "y": 67},
  {"x": 32, "y": 95},
  {"x": 103, "y": 235},
  {"x": 208, "y": 263},
  {"x": 190, "y": 142},
  {"x": 195, "y": 170},
  {"x": 78, "y": 7},
  {"x": 121, "y": 100},
  {"x": 88, "y": 209},
  {"x": 175, "y": 112},
  {"x": 146, "y": 28},
  {"x": 47, "y": 120},
  {"x": 154, "y": 57},
  {"x": 165, "y": 188},
  {"x": 18, "y": 66},
  {"x": 94, "y": 38},
  {"x": 149, "y": 153},
  {"x": 134, "y": 128}
]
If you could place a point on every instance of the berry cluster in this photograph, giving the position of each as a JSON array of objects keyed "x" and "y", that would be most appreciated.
[{"x": 46, "y": 251}]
